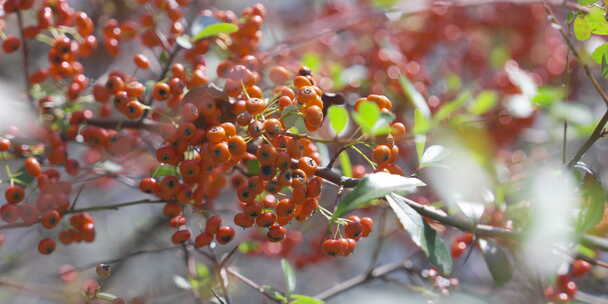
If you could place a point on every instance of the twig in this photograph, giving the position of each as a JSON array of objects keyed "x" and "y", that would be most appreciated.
[
  {"x": 251, "y": 284},
  {"x": 26, "y": 60},
  {"x": 377, "y": 272}
]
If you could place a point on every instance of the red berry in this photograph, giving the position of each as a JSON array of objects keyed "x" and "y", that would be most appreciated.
[
  {"x": 180, "y": 236},
  {"x": 46, "y": 246},
  {"x": 224, "y": 235},
  {"x": 14, "y": 194},
  {"x": 243, "y": 220},
  {"x": 11, "y": 44},
  {"x": 213, "y": 224},
  {"x": 203, "y": 240},
  {"x": 458, "y": 248},
  {"x": 32, "y": 167},
  {"x": 580, "y": 268}
]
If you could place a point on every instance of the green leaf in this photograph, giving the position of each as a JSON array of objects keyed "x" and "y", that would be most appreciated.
[
  {"x": 421, "y": 123},
  {"x": 338, "y": 118},
  {"x": 421, "y": 233},
  {"x": 23, "y": 178},
  {"x": 201, "y": 271},
  {"x": 376, "y": 185},
  {"x": 582, "y": 28},
  {"x": 202, "y": 21},
  {"x": 345, "y": 164},
  {"x": 420, "y": 140},
  {"x": 546, "y": 96},
  {"x": 604, "y": 67},
  {"x": 484, "y": 102},
  {"x": 163, "y": 59},
  {"x": 594, "y": 197},
  {"x": 291, "y": 117},
  {"x": 452, "y": 106},
  {"x": 497, "y": 261},
  {"x": 586, "y": 251},
  {"x": 289, "y": 275},
  {"x": 433, "y": 155},
  {"x": 164, "y": 170},
  {"x": 597, "y": 21},
  {"x": 253, "y": 167},
  {"x": 586, "y": 2},
  {"x": 215, "y": 29},
  {"x": 414, "y": 96},
  {"x": 599, "y": 53},
  {"x": 384, "y": 4},
  {"x": 312, "y": 61},
  {"x": 367, "y": 116},
  {"x": 300, "y": 299},
  {"x": 247, "y": 246}
]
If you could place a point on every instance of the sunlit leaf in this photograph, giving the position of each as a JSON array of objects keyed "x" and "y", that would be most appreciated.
[
  {"x": 345, "y": 164},
  {"x": 582, "y": 28},
  {"x": 338, "y": 118},
  {"x": 376, "y": 185},
  {"x": 312, "y": 61},
  {"x": 253, "y": 167},
  {"x": 484, "y": 102},
  {"x": 289, "y": 275},
  {"x": 433, "y": 155},
  {"x": 164, "y": 170},
  {"x": 422, "y": 124},
  {"x": 547, "y": 96},
  {"x": 215, "y": 29},
  {"x": 300, "y": 299},
  {"x": 452, "y": 106}
]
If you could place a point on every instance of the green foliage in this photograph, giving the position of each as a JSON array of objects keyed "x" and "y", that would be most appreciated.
[
  {"x": 289, "y": 275},
  {"x": 414, "y": 96},
  {"x": 215, "y": 29},
  {"x": 546, "y": 96},
  {"x": 253, "y": 167},
  {"x": 484, "y": 102},
  {"x": 338, "y": 118},
  {"x": 301, "y": 299},
  {"x": 433, "y": 155},
  {"x": 594, "y": 199},
  {"x": 497, "y": 261},
  {"x": 376, "y": 185},
  {"x": 421, "y": 233},
  {"x": 312, "y": 61},
  {"x": 447, "y": 109},
  {"x": 164, "y": 170},
  {"x": 582, "y": 28},
  {"x": 291, "y": 118},
  {"x": 345, "y": 164},
  {"x": 371, "y": 120}
]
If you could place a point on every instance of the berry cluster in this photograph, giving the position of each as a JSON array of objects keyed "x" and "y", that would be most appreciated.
[{"x": 564, "y": 288}]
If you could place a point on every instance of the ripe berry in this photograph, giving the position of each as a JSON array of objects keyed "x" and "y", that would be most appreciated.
[
  {"x": 5, "y": 144},
  {"x": 203, "y": 240},
  {"x": 32, "y": 167},
  {"x": 243, "y": 220},
  {"x": 46, "y": 246},
  {"x": 50, "y": 219},
  {"x": 580, "y": 268},
  {"x": 458, "y": 249},
  {"x": 381, "y": 154},
  {"x": 141, "y": 61},
  {"x": 366, "y": 226},
  {"x": 148, "y": 185},
  {"x": 331, "y": 247},
  {"x": 353, "y": 228},
  {"x": 276, "y": 233},
  {"x": 14, "y": 194},
  {"x": 180, "y": 236},
  {"x": 224, "y": 235},
  {"x": 9, "y": 213},
  {"x": 213, "y": 224},
  {"x": 265, "y": 219},
  {"x": 11, "y": 44}
]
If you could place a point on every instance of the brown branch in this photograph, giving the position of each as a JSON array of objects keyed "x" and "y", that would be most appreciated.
[
  {"x": 25, "y": 60},
  {"x": 245, "y": 280},
  {"x": 377, "y": 272}
]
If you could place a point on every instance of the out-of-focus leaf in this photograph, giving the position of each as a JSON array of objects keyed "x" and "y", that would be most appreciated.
[
  {"x": 345, "y": 164},
  {"x": 371, "y": 120},
  {"x": 484, "y": 102},
  {"x": 420, "y": 144},
  {"x": 574, "y": 113},
  {"x": 547, "y": 96},
  {"x": 432, "y": 155},
  {"x": 300, "y": 299},
  {"x": 582, "y": 28},
  {"x": 452, "y": 106},
  {"x": 414, "y": 96},
  {"x": 422, "y": 124},
  {"x": 289, "y": 275},
  {"x": 421, "y": 233},
  {"x": 291, "y": 118},
  {"x": 594, "y": 198},
  {"x": 181, "y": 282},
  {"x": 338, "y": 118},
  {"x": 586, "y": 2},
  {"x": 215, "y": 29},
  {"x": 586, "y": 251},
  {"x": 599, "y": 53},
  {"x": 497, "y": 261},
  {"x": 597, "y": 21},
  {"x": 164, "y": 170},
  {"x": 384, "y": 4},
  {"x": 373, "y": 186},
  {"x": 253, "y": 167},
  {"x": 106, "y": 296},
  {"x": 23, "y": 178},
  {"x": 312, "y": 61}
]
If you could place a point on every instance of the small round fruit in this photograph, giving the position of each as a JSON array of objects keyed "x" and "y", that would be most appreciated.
[{"x": 224, "y": 235}]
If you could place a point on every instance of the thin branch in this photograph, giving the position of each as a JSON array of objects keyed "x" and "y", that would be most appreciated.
[
  {"x": 25, "y": 54},
  {"x": 252, "y": 284}
]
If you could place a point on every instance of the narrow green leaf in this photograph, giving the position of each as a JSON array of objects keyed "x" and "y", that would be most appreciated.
[
  {"x": 546, "y": 96},
  {"x": 449, "y": 108},
  {"x": 421, "y": 233},
  {"x": 484, "y": 102},
  {"x": 289, "y": 275},
  {"x": 215, "y": 29},
  {"x": 414, "y": 96},
  {"x": 301, "y": 299},
  {"x": 23, "y": 178},
  {"x": 164, "y": 170},
  {"x": 345, "y": 164},
  {"x": 376, "y": 185},
  {"x": 586, "y": 251},
  {"x": 497, "y": 261},
  {"x": 599, "y": 53},
  {"x": 420, "y": 144},
  {"x": 582, "y": 28},
  {"x": 586, "y": 2},
  {"x": 422, "y": 124},
  {"x": 338, "y": 118}
]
